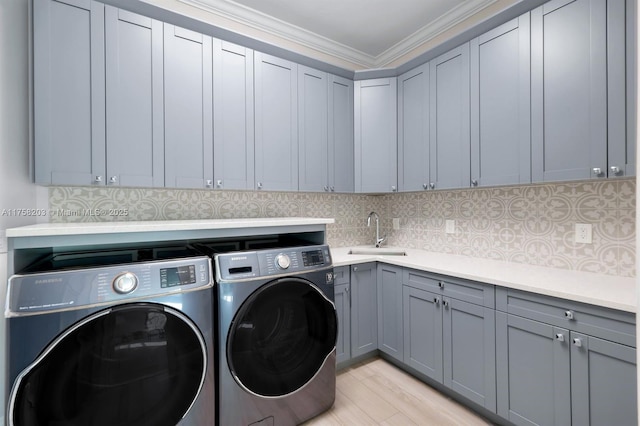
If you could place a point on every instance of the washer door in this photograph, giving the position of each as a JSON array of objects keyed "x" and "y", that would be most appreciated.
[
  {"x": 137, "y": 364},
  {"x": 281, "y": 337}
]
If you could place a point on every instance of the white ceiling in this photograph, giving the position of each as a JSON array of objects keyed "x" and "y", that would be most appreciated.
[{"x": 370, "y": 33}]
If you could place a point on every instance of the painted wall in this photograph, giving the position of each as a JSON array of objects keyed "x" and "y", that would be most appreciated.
[{"x": 531, "y": 224}]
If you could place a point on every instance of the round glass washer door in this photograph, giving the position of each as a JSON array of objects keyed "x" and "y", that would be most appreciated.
[
  {"x": 136, "y": 364},
  {"x": 280, "y": 337}
]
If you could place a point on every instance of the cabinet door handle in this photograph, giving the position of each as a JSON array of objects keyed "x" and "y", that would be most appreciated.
[
  {"x": 425, "y": 185},
  {"x": 355, "y": 269},
  {"x": 432, "y": 185},
  {"x": 98, "y": 179},
  {"x": 333, "y": 189},
  {"x": 560, "y": 337},
  {"x": 615, "y": 170},
  {"x": 326, "y": 189},
  {"x": 346, "y": 289},
  {"x": 474, "y": 182},
  {"x": 113, "y": 179},
  {"x": 577, "y": 342},
  {"x": 209, "y": 183},
  {"x": 597, "y": 171},
  {"x": 393, "y": 188},
  {"x": 259, "y": 185},
  {"x": 436, "y": 301},
  {"x": 568, "y": 315},
  {"x": 219, "y": 183},
  {"x": 445, "y": 303},
  {"x": 440, "y": 284}
]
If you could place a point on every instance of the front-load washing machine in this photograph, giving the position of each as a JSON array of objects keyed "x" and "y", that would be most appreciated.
[
  {"x": 118, "y": 344},
  {"x": 277, "y": 332}
]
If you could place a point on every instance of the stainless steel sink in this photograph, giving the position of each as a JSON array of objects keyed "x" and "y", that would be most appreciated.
[{"x": 378, "y": 252}]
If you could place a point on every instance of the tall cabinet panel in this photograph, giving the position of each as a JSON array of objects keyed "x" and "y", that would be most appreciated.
[
  {"x": 276, "y": 125},
  {"x": 500, "y": 105},
  {"x": 364, "y": 309},
  {"x": 69, "y": 94},
  {"x": 313, "y": 147},
  {"x": 341, "y": 161},
  {"x": 188, "y": 107},
  {"x": 413, "y": 129},
  {"x": 134, "y": 78},
  {"x": 569, "y": 90},
  {"x": 449, "y": 124},
  {"x": 390, "y": 330},
  {"x": 375, "y": 135},
  {"x": 233, "y": 135}
]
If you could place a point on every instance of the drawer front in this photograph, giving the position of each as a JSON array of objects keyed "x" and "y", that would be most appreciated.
[
  {"x": 468, "y": 291},
  {"x": 605, "y": 323},
  {"x": 340, "y": 275}
]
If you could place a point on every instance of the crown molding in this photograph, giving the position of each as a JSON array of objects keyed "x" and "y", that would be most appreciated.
[{"x": 252, "y": 18}]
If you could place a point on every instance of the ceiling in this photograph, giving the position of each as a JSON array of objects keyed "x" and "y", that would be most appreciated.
[{"x": 367, "y": 33}]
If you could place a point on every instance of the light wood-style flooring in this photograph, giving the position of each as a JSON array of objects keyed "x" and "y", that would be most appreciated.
[{"x": 376, "y": 392}]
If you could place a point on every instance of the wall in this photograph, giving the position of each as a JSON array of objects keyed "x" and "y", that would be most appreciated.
[{"x": 525, "y": 224}]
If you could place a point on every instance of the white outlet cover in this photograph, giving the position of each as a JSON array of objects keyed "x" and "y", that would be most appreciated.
[
  {"x": 450, "y": 226},
  {"x": 396, "y": 223},
  {"x": 584, "y": 233}
]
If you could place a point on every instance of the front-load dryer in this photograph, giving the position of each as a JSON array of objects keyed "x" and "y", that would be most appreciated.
[
  {"x": 277, "y": 332},
  {"x": 119, "y": 344}
]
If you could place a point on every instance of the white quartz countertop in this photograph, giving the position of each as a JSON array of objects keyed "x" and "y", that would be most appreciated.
[
  {"x": 597, "y": 289},
  {"x": 86, "y": 228}
]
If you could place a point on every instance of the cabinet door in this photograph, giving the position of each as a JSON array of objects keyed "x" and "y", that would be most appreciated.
[
  {"x": 413, "y": 129},
  {"x": 469, "y": 351},
  {"x": 343, "y": 310},
  {"x": 276, "y": 114},
  {"x": 449, "y": 125},
  {"x": 500, "y": 105},
  {"x": 313, "y": 167},
  {"x": 533, "y": 372},
  {"x": 69, "y": 92},
  {"x": 569, "y": 90},
  {"x": 233, "y": 136},
  {"x": 341, "y": 163},
  {"x": 364, "y": 309},
  {"x": 188, "y": 103},
  {"x": 375, "y": 135},
  {"x": 423, "y": 331},
  {"x": 134, "y": 68},
  {"x": 390, "y": 334},
  {"x": 603, "y": 382}
]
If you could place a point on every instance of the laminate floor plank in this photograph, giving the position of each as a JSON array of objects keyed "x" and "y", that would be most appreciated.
[{"x": 375, "y": 392}]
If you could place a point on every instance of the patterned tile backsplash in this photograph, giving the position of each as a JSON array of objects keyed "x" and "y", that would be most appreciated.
[{"x": 531, "y": 224}]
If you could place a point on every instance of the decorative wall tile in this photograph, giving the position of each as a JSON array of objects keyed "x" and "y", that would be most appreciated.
[{"x": 532, "y": 224}]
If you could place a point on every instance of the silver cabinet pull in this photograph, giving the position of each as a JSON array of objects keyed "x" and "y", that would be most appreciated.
[
  {"x": 209, "y": 183},
  {"x": 597, "y": 171},
  {"x": 326, "y": 189},
  {"x": 432, "y": 185},
  {"x": 474, "y": 182},
  {"x": 615, "y": 170},
  {"x": 113, "y": 179},
  {"x": 577, "y": 342},
  {"x": 333, "y": 189},
  {"x": 219, "y": 183},
  {"x": 425, "y": 185},
  {"x": 445, "y": 303},
  {"x": 393, "y": 188},
  {"x": 436, "y": 301},
  {"x": 98, "y": 179},
  {"x": 259, "y": 185},
  {"x": 440, "y": 284},
  {"x": 568, "y": 315},
  {"x": 355, "y": 269},
  {"x": 560, "y": 337}
]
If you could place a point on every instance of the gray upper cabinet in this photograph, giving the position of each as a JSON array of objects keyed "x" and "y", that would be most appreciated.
[
  {"x": 390, "y": 333},
  {"x": 375, "y": 133},
  {"x": 313, "y": 167},
  {"x": 276, "y": 123},
  {"x": 413, "y": 130},
  {"x": 364, "y": 309},
  {"x": 569, "y": 90},
  {"x": 134, "y": 96},
  {"x": 188, "y": 108},
  {"x": 500, "y": 105},
  {"x": 69, "y": 92},
  {"x": 449, "y": 123},
  {"x": 233, "y": 131},
  {"x": 341, "y": 160}
]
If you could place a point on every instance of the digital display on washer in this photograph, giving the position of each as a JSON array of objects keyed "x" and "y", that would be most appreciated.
[
  {"x": 312, "y": 258},
  {"x": 181, "y": 275}
]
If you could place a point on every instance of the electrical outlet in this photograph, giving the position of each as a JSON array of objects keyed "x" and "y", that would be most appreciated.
[
  {"x": 450, "y": 226},
  {"x": 396, "y": 223},
  {"x": 584, "y": 233}
]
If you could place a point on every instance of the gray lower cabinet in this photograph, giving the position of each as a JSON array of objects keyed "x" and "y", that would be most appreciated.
[
  {"x": 390, "y": 318},
  {"x": 233, "y": 135},
  {"x": 276, "y": 123},
  {"x": 413, "y": 129},
  {"x": 134, "y": 99},
  {"x": 341, "y": 156},
  {"x": 343, "y": 310},
  {"x": 450, "y": 142},
  {"x": 500, "y": 105},
  {"x": 69, "y": 92},
  {"x": 364, "y": 309},
  {"x": 375, "y": 134},
  {"x": 188, "y": 108}
]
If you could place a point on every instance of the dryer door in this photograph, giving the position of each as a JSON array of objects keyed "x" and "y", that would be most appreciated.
[
  {"x": 136, "y": 364},
  {"x": 281, "y": 336}
]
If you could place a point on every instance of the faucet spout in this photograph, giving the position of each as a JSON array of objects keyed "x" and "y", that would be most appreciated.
[{"x": 379, "y": 240}]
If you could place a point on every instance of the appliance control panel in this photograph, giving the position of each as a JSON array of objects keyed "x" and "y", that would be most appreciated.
[
  {"x": 265, "y": 263},
  {"x": 77, "y": 288}
]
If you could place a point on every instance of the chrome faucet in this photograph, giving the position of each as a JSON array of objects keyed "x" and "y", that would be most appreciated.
[{"x": 379, "y": 240}]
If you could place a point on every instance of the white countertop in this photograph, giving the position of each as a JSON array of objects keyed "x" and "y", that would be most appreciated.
[
  {"x": 597, "y": 289},
  {"x": 86, "y": 228}
]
